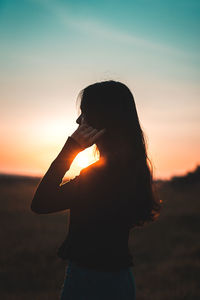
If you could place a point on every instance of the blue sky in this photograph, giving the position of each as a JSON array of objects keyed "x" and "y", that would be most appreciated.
[{"x": 50, "y": 50}]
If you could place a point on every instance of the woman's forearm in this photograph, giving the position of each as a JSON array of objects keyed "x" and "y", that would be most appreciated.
[
  {"x": 62, "y": 162},
  {"x": 53, "y": 177}
]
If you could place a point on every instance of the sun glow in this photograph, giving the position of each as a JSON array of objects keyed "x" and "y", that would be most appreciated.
[{"x": 83, "y": 160}]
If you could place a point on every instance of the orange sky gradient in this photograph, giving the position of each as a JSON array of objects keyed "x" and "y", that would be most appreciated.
[{"x": 30, "y": 152}]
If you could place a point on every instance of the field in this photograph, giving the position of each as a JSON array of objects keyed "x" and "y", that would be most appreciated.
[{"x": 166, "y": 253}]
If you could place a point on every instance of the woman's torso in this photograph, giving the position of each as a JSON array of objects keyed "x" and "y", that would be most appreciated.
[{"x": 99, "y": 227}]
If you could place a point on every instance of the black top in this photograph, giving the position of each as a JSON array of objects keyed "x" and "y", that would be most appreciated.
[{"x": 99, "y": 225}]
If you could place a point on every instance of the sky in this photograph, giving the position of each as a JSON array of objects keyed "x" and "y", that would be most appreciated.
[{"x": 51, "y": 50}]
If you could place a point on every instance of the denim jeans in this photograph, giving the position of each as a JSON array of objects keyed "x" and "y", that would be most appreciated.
[{"x": 88, "y": 284}]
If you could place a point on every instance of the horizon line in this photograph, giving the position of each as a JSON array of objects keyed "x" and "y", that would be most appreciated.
[{"x": 66, "y": 177}]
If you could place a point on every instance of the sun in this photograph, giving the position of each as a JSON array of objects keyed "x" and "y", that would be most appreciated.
[{"x": 83, "y": 160}]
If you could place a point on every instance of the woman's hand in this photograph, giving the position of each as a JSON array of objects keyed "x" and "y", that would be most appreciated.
[{"x": 86, "y": 135}]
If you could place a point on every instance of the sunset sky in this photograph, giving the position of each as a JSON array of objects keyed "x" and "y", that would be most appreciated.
[{"x": 50, "y": 50}]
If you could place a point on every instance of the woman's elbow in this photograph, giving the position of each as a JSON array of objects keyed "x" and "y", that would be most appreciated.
[
  {"x": 42, "y": 208},
  {"x": 35, "y": 208}
]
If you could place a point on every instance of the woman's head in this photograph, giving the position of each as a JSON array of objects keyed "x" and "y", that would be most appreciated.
[
  {"x": 111, "y": 105},
  {"x": 107, "y": 104}
]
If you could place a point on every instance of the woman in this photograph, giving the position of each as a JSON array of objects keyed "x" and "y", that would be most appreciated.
[{"x": 107, "y": 199}]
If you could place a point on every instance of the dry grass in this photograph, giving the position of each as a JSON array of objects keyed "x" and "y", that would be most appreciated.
[{"x": 166, "y": 253}]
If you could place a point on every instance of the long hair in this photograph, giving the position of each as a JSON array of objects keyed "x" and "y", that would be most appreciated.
[{"x": 110, "y": 105}]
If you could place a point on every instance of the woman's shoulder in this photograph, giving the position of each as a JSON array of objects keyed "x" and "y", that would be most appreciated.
[
  {"x": 99, "y": 175},
  {"x": 109, "y": 175},
  {"x": 97, "y": 167}
]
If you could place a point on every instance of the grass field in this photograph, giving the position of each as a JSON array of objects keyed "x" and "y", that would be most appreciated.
[{"x": 166, "y": 253}]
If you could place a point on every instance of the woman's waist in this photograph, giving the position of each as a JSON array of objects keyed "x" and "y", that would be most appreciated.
[{"x": 99, "y": 265}]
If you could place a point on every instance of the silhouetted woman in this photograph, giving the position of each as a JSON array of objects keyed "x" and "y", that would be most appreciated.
[{"x": 107, "y": 199}]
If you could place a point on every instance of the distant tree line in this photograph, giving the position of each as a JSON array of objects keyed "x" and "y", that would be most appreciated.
[
  {"x": 14, "y": 179},
  {"x": 189, "y": 178}
]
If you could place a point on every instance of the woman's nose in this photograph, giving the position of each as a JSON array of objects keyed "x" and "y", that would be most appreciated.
[{"x": 79, "y": 120}]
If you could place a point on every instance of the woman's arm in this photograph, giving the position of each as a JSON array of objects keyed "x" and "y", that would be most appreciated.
[{"x": 49, "y": 196}]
